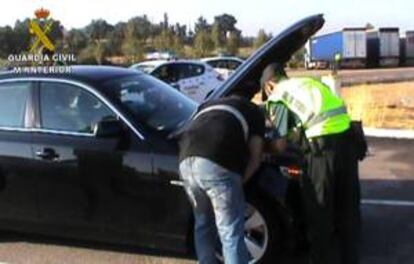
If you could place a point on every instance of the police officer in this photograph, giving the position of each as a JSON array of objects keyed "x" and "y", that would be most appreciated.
[
  {"x": 306, "y": 111},
  {"x": 337, "y": 63}
]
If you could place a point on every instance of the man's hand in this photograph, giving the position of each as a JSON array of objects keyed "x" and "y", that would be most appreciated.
[{"x": 255, "y": 146}]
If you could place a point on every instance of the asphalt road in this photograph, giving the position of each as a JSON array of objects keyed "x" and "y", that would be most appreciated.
[
  {"x": 364, "y": 76},
  {"x": 387, "y": 177}
]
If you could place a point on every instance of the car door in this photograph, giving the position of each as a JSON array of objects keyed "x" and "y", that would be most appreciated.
[
  {"x": 70, "y": 182},
  {"x": 167, "y": 73},
  {"x": 192, "y": 80},
  {"x": 17, "y": 192},
  {"x": 102, "y": 185}
]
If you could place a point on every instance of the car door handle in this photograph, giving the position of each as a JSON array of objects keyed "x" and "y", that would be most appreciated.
[
  {"x": 177, "y": 183},
  {"x": 47, "y": 154}
]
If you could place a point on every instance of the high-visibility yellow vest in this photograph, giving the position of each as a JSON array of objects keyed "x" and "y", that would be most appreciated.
[{"x": 320, "y": 111}]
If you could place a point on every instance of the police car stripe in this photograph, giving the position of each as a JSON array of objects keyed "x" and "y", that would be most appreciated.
[{"x": 388, "y": 202}]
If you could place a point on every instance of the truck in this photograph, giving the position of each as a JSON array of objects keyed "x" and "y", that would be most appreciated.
[
  {"x": 383, "y": 47},
  {"x": 349, "y": 43},
  {"x": 409, "y": 48}
]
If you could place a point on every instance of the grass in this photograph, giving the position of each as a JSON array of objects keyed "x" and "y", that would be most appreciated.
[{"x": 382, "y": 105}]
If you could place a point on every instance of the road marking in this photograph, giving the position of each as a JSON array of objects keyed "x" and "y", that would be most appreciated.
[
  {"x": 387, "y": 202},
  {"x": 389, "y": 133}
]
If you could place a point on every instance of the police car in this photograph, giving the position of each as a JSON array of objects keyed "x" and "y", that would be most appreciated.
[
  {"x": 193, "y": 78},
  {"x": 223, "y": 64}
]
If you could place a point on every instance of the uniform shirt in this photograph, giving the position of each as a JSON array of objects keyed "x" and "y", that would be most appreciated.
[
  {"x": 283, "y": 120},
  {"x": 218, "y": 135}
]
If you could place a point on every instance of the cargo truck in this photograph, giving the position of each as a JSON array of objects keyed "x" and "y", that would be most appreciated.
[
  {"x": 384, "y": 47},
  {"x": 409, "y": 48},
  {"x": 350, "y": 43}
]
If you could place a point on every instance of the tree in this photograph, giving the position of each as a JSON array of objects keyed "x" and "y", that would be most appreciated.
[
  {"x": 201, "y": 25},
  {"x": 21, "y": 37},
  {"x": 98, "y": 31},
  {"x": 116, "y": 39},
  {"x": 164, "y": 41},
  {"x": 223, "y": 24},
  {"x": 133, "y": 49},
  {"x": 7, "y": 41},
  {"x": 233, "y": 42},
  {"x": 261, "y": 39},
  {"x": 203, "y": 44},
  {"x": 216, "y": 36},
  {"x": 165, "y": 24},
  {"x": 76, "y": 40},
  {"x": 138, "y": 27}
]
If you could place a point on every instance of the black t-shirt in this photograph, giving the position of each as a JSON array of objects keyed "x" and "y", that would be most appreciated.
[{"x": 218, "y": 135}]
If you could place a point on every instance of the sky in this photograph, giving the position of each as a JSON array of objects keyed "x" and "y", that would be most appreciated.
[{"x": 271, "y": 15}]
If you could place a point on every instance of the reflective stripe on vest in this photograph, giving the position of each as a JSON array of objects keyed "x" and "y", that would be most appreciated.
[
  {"x": 236, "y": 113},
  {"x": 320, "y": 111}
]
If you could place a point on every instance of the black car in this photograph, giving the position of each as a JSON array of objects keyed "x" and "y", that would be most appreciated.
[{"x": 88, "y": 155}]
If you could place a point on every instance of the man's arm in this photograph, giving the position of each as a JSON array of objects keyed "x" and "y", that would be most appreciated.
[
  {"x": 255, "y": 146},
  {"x": 278, "y": 146}
]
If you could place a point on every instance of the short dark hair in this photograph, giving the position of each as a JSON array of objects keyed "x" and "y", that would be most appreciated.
[{"x": 273, "y": 71}]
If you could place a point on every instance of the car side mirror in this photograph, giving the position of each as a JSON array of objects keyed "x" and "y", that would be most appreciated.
[
  {"x": 176, "y": 86},
  {"x": 108, "y": 129}
]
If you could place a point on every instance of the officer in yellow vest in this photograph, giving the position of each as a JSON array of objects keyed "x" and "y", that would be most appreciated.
[
  {"x": 306, "y": 111},
  {"x": 337, "y": 63}
]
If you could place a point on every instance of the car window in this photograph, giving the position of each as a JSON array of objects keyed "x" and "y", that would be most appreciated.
[
  {"x": 189, "y": 70},
  {"x": 222, "y": 64},
  {"x": 233, "y": 64},
  {"x": 145, "y": 68},
  {"x": 213, "y": 63},
  {"x": 166, "y": 73},
  {"x": 13, "y": 98},
  {"x": 65, "y": 107}
]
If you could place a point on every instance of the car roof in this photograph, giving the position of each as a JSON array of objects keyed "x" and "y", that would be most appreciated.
[
  {"x": 157, "y": 63},
  {"x": 88, "y": 74},
  {"x": 221, "y": 58},
  {"x": 153, "y": 63}
]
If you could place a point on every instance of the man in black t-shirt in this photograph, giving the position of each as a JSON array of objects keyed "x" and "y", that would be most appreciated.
[{"x": 220, "y": 150}]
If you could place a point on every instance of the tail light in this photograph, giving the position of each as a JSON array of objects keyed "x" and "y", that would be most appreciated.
[{"x": 292, "y": 172}]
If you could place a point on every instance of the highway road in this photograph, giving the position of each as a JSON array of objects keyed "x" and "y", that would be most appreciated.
[
  {"x": 363, "y": 76},
  {"x": 387, "y": 178}
]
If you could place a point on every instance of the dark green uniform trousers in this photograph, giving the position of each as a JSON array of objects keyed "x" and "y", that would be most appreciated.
[{"x": 331, "y": 194}]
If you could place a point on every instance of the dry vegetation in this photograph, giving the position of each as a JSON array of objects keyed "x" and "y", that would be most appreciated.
[{"x": 382, "y": 105}]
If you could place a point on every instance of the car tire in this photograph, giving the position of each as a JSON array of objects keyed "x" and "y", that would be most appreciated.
[
  {"x": 262, "y": 229},
  {"x": 271, "y": 215}
]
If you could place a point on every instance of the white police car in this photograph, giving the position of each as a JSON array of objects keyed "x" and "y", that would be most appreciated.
[
  {"x": 193, "y": 78},
  {"x": 223, "y": 64}
]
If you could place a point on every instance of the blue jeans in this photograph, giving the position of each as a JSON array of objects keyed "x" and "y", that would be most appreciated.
[{"x": 218, "y": 201}]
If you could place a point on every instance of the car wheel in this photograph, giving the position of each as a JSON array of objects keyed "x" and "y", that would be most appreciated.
[{"x": 262, "y": 231}]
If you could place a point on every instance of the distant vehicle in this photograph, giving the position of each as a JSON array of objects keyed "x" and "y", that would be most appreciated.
[
  {"x": 193, "y": 78},
  {"x": 223, "y": 64},
  {"x": 409, "y": 48},
  {"x": 350, "y": 43},
  {"x": 384, "y": 47}
]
